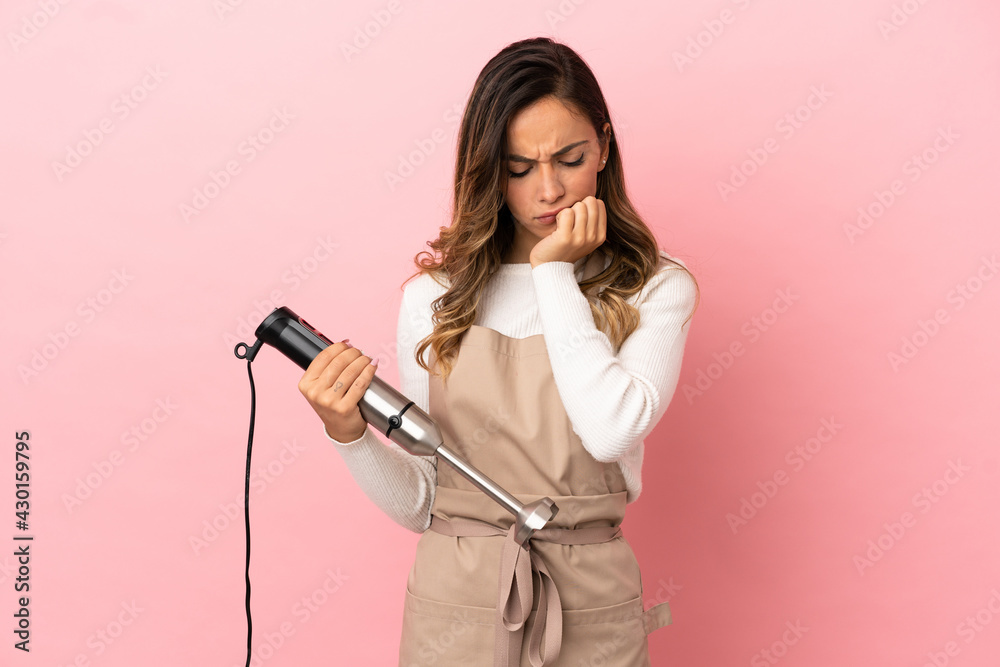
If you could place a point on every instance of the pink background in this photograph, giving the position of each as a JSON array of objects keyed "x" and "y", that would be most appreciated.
[{"x": 880, "y": 548}]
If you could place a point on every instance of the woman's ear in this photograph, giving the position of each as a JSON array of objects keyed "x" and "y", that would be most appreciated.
[{"x": 606, "y": 130}]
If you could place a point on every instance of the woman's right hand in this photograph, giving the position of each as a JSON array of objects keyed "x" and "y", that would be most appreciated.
[{"x": 333, "y": 384}]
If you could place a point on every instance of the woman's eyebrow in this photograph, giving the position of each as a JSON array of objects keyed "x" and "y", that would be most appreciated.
[{"x": 564, "y": 149}]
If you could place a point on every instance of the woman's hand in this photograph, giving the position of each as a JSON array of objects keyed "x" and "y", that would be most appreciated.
[
  {"x": 580, "y": 229},
  {"x": 333, "y": 384}
]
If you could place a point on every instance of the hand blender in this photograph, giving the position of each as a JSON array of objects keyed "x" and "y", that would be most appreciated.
[{"x": 395, "y": 416}]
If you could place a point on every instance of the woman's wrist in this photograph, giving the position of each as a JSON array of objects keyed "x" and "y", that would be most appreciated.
[{"x": 340, "y": 441}]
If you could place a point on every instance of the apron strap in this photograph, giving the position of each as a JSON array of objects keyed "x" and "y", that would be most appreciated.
[
  {"x": 520, "y": 569},
  {"x": 656, "y": 617}
]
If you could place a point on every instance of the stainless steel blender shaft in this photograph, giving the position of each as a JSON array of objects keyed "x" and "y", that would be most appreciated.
[
  {"x": 399, "y": 419},
  {"x": 395, "y": 416}
]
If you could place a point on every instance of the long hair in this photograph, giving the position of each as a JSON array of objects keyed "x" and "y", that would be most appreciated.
[{"x": 482, "y": 228}]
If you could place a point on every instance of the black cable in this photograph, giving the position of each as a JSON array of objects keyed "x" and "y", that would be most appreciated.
[{"x": 246, "y": 507}]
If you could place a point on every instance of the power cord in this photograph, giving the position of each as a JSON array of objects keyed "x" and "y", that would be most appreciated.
[{"x": 249, "y": 354}]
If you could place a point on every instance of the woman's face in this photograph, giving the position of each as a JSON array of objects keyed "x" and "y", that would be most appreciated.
[{"x": 552, "y": 164}]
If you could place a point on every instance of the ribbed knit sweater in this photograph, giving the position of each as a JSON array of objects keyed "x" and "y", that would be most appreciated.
[{"x": 614, "y": 398}]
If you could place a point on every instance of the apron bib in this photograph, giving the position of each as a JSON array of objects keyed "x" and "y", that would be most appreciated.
[{"x": 576, "y": 588}]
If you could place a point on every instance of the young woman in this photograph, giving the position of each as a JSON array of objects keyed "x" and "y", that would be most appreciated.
[{"x": 555, "y": 329}]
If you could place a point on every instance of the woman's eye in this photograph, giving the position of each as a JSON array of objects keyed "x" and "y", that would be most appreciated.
[{"x": 519, "y": 174}]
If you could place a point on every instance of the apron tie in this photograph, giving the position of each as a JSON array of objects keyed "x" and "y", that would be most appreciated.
[{"x": 520, "y": 569}]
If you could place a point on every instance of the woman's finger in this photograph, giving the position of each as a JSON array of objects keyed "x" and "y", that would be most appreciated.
[{"x": 322, "y": 360}]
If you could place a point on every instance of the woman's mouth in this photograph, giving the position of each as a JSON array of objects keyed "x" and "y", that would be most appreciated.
[{"x": 549, "y": 217}]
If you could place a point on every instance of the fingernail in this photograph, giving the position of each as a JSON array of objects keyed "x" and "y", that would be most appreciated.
[
  {"x": 346, "y": 340},
  {"x": 374, "y": 362}
]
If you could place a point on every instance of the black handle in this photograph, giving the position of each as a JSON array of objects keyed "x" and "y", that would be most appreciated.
[{"x": 292, "y": 336}]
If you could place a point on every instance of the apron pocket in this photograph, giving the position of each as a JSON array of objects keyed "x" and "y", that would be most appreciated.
[
  {"x": 452, "y": 635},
  {"x": 612, "y": 636},
  {"x": 445, "y": 635}
]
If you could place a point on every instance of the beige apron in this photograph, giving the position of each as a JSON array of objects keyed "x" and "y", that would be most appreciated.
[{"x": 501, "y": 411}]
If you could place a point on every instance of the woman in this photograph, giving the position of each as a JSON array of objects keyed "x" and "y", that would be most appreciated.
[{"x": 555, "y": 329}]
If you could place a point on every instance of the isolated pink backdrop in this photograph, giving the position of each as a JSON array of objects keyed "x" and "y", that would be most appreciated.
[{"x": 823, "y": 488}]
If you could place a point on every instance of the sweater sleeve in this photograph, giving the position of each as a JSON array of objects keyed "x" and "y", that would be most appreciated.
[
  {"x": 614, "y": 399},
  {"x": 400, "y": 484}
]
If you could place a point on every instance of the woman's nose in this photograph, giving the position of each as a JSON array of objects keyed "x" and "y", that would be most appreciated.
[{"x": 550, "y": 187}]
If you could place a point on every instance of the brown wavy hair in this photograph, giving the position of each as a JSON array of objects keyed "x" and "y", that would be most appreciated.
[{"x": 470, "y": 251}]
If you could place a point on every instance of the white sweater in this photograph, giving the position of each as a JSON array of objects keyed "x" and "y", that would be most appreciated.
[{"x": 613, "y": 399}]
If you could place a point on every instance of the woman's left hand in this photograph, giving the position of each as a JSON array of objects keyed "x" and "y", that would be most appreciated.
[{"x": 580, "y": 229}]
